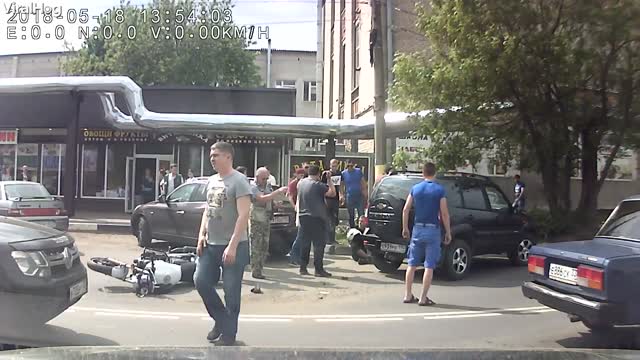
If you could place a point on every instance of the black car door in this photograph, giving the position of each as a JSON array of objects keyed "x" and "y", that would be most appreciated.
[
  {"x": 192, "y": 217},
  {"x": 508, "y": 226},
  {"x": 476, "y": 213},
  {"x": 177, "y": 205}
]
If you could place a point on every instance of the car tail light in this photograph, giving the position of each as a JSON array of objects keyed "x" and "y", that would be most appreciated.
[
  {"x": 536, "y": 264},
  {"x": 61, "y": 212},
  {"x": 14, "y": 212},
  {"x": 590, "y": 277}
]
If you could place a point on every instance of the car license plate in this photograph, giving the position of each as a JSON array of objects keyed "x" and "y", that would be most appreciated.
[
  {"x": 563, "y": 274},
  {"x": 394, "y": 248},
  {"x": 51, "y": 224},
  {"x": 280, "y": 220},
  {"x": 77, "y": 290}
]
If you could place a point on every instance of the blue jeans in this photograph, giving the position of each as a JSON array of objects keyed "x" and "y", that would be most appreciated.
[
  {"x": 294, "y": 254},
  {"x": 206, "y": 277},
  {"x": 354, "y": 203}
]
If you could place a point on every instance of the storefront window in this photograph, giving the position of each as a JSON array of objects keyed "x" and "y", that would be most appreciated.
[
  {"x": 29, "y": 162},
  {"x": 50, "y": 167},
  {"x": 8, "y": 162},
  {"x": 190, "y": 159},
  {"x": 63, "y": 149},
  {"x": 116, "y": 169},
  {"x": 245, "y": 155},
  {"x": 269, "y": 156},
  {"x": 93, "y": 170},
  {"x": 154, "y": 149}
]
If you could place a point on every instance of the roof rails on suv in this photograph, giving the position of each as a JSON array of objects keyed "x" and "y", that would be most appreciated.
[{"x": 467, "y": 175}]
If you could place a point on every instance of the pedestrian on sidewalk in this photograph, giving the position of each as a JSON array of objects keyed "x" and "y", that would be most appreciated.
[
  {"x": 172, "y": 180},
  {"x": 518, "y": 203},
  {"x": 354, "y": 192},
  {"x": 148, "y": 186},
  {"x": 262, "y": 196},
  {"x": 333, "y": 178},
  {"x": 292, "y": 193},
  {"x": 313, "y": 220},
  {"x": 223, "y": 243},
  {"x": 431, "y": 211}
]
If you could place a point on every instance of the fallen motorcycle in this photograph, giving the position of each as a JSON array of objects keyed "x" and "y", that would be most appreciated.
[{"x": 154, "y": 271}]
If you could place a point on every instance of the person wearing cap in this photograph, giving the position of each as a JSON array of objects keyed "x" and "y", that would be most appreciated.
[{"x": 354, "y": 192}]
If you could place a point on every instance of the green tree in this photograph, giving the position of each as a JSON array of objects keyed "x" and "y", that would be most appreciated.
[
  {"x": 144, "y": 53},
  {"x": 543, "y": 85}
]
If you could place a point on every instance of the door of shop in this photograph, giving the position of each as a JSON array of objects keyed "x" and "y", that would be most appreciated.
[{"x": 143, "y": 179}]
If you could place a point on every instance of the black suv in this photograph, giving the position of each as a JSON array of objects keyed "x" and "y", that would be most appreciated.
[{"x": 482, "y": 222}]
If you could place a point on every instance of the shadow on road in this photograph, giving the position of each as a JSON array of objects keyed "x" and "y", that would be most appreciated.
[
  {"x": 489, "y": 272},
  {"x": 623, "y": 338},
  {"x": 51, "y": 335}
]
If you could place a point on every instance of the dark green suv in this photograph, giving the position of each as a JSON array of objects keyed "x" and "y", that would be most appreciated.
[{"x": 482, "y": 222}]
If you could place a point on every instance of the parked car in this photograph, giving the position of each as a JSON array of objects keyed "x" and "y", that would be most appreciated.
[
  {"x": 595, "y": 281},
  {"x": 482, "y": 222},
  {"x": 41, "y": 273},
  {"x": 31, "y": 201},
  {"x": 176, "y": 218}
]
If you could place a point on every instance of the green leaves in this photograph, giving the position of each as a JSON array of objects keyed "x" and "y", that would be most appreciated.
[{"x": 193, "y": 51}]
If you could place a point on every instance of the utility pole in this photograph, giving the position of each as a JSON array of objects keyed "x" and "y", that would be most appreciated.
[{"x": 376, "y": 60}]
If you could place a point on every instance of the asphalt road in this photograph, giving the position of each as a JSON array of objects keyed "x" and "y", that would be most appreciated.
[{"x": 358, "y": 307}]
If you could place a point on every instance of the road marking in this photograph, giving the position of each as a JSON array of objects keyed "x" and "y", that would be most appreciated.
[
  {"x": 142, "y": 313},
  {"x": 541, "y": 311},
  {"x": 463, "y": 316},
  {"x": 254, "y": 320},
  {"x": 360, "y": 319},
  {"x": 136, "y": 315}
]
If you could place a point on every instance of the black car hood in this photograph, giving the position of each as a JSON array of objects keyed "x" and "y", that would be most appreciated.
[{"x": 14, "y": 230}]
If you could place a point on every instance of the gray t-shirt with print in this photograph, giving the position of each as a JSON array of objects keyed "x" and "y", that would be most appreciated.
[{"x": 222, "y": 208}]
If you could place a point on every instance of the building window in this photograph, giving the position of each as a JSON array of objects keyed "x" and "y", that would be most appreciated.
[
  {"x": 28, "y": 155},
  {"x": 356, "y": 56},
  {"x": 116, "y": 169},
  {"x": 342, "y": 61},
  {"x": 190, "y": 158},
  {"x": 93, "y": 170},
  {"x": 269, "y": 156},
  {"x": 310, "y": 91},
  {"x": 8, "y": 162},
  {"x": 51, "y": 167},
  {"x": 286, "y": 84},
  {"x": 354, "y": 108},
  {"x": 330, "y": 83}
]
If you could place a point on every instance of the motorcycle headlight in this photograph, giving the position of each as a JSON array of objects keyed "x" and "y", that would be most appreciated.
[{"x": 29, "y": 262}]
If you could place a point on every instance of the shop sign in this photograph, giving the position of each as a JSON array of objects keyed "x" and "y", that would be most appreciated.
[
  {"x": 89, "y": 135},
  {"x": 8, "y": 137},
  {"x": 182, "y": 138},
  {"x": 297, "y": 161},
  {"x": 247, "y": 139}
]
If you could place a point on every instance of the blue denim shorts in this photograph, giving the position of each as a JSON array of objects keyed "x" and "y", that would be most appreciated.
[{"x": 424, "y": 248}]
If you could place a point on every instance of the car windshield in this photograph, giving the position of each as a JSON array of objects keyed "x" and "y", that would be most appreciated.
[
  {"x": 396, "y": 186},
  {"x": 26, "y": 191},
  {"x": 624, "y": 222}
]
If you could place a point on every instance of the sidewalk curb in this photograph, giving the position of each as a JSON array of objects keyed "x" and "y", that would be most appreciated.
[{"x": 100, "y": 228}]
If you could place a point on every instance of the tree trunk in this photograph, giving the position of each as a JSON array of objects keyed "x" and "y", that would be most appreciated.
[{"x": 589, "y": 187}]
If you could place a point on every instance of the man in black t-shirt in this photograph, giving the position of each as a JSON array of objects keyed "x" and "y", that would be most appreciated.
[{"x": 333, "y": 203}]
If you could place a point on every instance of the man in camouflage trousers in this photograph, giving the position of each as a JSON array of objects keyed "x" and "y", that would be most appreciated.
[{"x": 262, "y": 196}]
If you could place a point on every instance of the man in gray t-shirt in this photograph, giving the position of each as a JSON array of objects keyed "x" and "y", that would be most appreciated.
[
  {"x": 312, "y": 211},
  {"x": 223, "y": 244}
]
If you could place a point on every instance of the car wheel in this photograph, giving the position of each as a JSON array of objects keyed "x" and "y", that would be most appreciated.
[
  {"x": 598, "y": 326},
  {"x": 144, "y": 233},
  {"x": 457, "y": 260},
  {"x": 384, "y": 265},
  {"x": 520, "y": 256}
]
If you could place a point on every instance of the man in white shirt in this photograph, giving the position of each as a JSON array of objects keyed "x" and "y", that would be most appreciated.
[{"x": 172, "y": 180}]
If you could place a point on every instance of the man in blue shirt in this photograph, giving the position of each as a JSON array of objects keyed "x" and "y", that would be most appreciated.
[
  {"x": 431, "y": 212},
  {"x": 354, "y": 188}
]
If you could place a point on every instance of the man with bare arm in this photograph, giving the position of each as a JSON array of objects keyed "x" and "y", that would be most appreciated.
[
  {"x": 431, "y": 211},
  {"x": 223, "y": 243}
]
